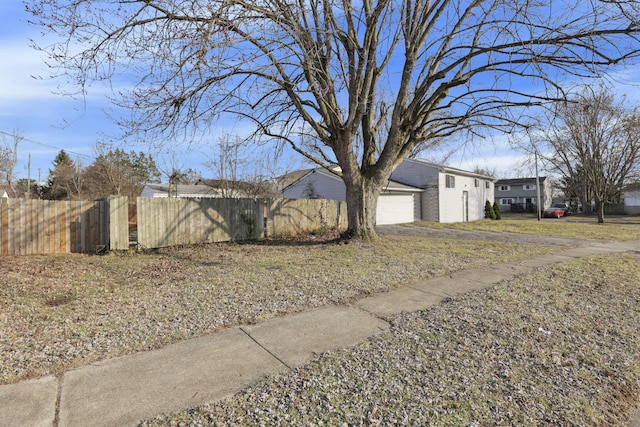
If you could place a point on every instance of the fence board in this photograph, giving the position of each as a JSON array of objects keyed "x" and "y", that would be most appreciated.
[
  {"x": 22, "y": 235},
  {"x": 117, "y": 216},
  {"x": 61, "y": 217},
  {"x": 4, "y": 227}
]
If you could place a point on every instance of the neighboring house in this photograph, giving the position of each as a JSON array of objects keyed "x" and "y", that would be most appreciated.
[
  {"x": 396, "y": 204},
  {"x": 631, "y": 194},
  {"x": 180, "y": 190},
  {"x": 216, "y": 188},
  {"x": 6, "y": 192},
  {"x": 521, "y": 194},
  {"x": 241, "y": 189},
  {"x": 450, "y": 194},
  {"x": 418, "y": 191}
]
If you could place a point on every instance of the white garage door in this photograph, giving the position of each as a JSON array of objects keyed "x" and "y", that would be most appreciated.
[{"x": 395, "y": 209}]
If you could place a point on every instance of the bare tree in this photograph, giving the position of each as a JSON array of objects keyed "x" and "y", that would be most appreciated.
[
  {"x": 65, "y": 181},
  {"x": 226, "y": 164},
  {"x": 485, "y": 170},
  {"x": 179, "y": 177},
  {"x": 9, "y": 157},
  {"x": 241, "y": 171},
  {"x": 593, "y": 141},
  {"x": 116, "y": 172},
  {"x": 175, "y": 171},
  {"x": 360, "y": 84}
]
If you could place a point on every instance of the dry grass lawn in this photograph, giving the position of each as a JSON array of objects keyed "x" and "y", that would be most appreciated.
[
  {"x": 58, "y": 312},
  {"x": 616, "y": 229},
  {"x": 559, "y": 347}
]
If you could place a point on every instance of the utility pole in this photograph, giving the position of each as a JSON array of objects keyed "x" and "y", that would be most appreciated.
[{"x": 29, "y": 177}]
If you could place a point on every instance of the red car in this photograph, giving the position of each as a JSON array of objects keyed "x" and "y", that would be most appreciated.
[{"x": 554, "y": 212}]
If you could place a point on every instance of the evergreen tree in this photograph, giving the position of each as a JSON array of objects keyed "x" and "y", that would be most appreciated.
[
  {"x": 496, "y": 210},
  {"x": 64, "y": 182},
  {"x": 489, "y": 213},
  {"x": 116, "y": 172}
]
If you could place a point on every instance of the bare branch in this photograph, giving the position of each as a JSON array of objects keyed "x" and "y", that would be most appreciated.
[{"x": 362, "y": 84}]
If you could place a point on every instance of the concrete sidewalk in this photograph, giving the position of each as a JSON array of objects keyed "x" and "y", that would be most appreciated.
[{"x": 129, "y": 389}]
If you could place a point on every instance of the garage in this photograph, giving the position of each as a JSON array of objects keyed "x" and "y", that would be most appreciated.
[{"x": 395, "y": 208}]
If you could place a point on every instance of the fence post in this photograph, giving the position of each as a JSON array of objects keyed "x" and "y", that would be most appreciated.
[
  {"x": 265, "y": 217},
  {"x": 4, "y": 227},
  {"x": 118, "y": 223}
]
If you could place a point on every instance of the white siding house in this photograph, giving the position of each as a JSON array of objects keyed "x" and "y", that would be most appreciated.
[
  {"x": 6, "y": 192},
  {"x": 632, "y": 199},
  {"x": 180, "y": 190},
  {"x": 451, "y": 195},
  {"x": 418, "y": 191},
  {"x": 397, "y": 203},
  {"x": 316, "y": 184}
]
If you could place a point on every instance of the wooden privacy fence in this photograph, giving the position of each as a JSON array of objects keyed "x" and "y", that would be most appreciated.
[
  {"x": 181, "y": 221},
  {"x": 297, "y": 216},
  {"x": 44, "y": 226}
]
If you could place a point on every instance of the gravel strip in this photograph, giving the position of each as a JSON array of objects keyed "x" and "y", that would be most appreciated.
[{"x": 559, "y": 347}]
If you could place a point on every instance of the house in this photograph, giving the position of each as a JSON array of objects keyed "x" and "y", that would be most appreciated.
[
  {"x": 180, "y": 190},
  {"x": 396, "y": 204},
  {"x": 631, "y": 194},
  {"x": 450, "y": 194},
  {"x": 521, "y": 194},
  {"x": 6, "y": 192},
  {"x": 216, "y": 188},
  {"x": 418, "y": 191}
]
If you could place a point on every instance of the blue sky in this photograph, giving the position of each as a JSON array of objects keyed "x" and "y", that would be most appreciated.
[
  {"x": 47, "y": 121},
  {"x": 50, "y": 122}
]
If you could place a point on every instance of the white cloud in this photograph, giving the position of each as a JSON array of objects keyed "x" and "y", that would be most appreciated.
[{"x": 17, "y": 74}]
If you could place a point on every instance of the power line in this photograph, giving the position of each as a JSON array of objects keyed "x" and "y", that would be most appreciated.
[{"x": 48, "y": 146}]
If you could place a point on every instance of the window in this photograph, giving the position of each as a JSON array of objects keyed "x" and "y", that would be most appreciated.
[
  {"x": 504, "y": 188},
  {"x": 487, "y": 184},
  {"x": 476, "y": 182},
  {"x": 529, "y": 186},
  {"x": 450, "y": 181},
  {"x": 506, "y": 201}
]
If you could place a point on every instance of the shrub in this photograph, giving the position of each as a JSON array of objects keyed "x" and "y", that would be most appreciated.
[
  {"x": 489, "y": 213},
  {"x": 496, "y": 210}
]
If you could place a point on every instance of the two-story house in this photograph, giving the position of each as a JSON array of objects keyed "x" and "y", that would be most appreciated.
[
  {"x": 418, "y": 191},
  {"x": 521, "y": 194}
]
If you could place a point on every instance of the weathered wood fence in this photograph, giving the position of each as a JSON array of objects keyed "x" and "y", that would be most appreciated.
[
  {"x": 179, "y": 221},
  {"x": 286, "y": 217},
  {"x": 44, "y": 227},
  {"x": 182, "y": 221}
]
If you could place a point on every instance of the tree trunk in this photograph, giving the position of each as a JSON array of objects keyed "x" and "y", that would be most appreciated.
[
  {"x": 600, "y": 208},
  {"x": 362, "y": 203}
]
